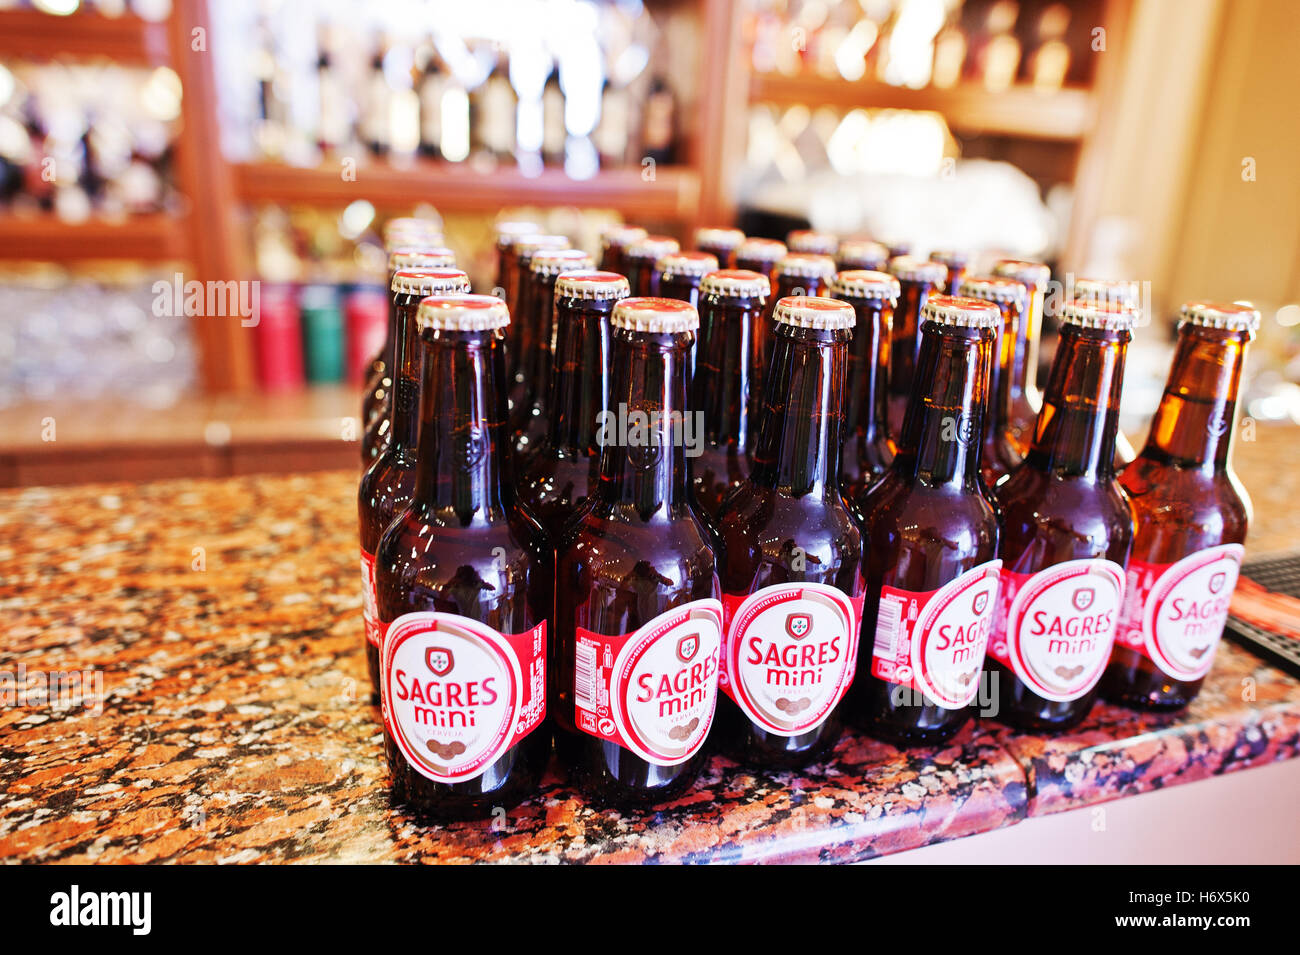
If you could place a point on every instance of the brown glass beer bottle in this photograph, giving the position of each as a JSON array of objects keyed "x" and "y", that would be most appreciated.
[
  {"x": 560, "y": 476},
  {"x": 680, "y": 274},
  {"x": 1191, "y": 518},
  {"x": 861, "y": 255},
  {"x": 638, "y": 619},
  {"x": 464, "y": 579},
  {"x": 528, "y": 397},
  {"x": 918, "y": 279},
  {"x": 1124, "y": 293},
  {"x": 956, "y": 263},
  {"x": 812, "y": 242},
  {"x": 1026, "y": 400},
  {"x": 640, "y": 259},
  {"x": 790, "y": 554},
  {"x": 1067, "y": 529},
  {"x": 731, "y": 303},
  {"x": 720, "y": 243},
  {"x": 387, "y": 484},
  {"x": 507, "y": 263},
  {"x": 761, "y": 256},
  {"x": 998, "y": 454},
  {"x": 930, "y": 536},
  {"x": 614, "y": 241},
  {"x": 521, "y": 334},
  {"x": 867, "y": 449}
]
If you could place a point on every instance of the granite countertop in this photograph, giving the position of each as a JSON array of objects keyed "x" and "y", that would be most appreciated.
[{"x": 223, "y": 618}]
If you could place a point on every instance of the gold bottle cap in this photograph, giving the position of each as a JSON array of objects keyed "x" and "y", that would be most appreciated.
[
  {"x": 808, "y": 311},
  {"x": 913, "y": 268},
  {"x": 462, "y": 313},
  {"x": 620, "y": 236},
  {"x": 1107, "y": 316},
  {"x": 422, "y": 257},
  {"x": 653, "y": 247},
  {"x": 508, "y": 231},
  {"x": 590, "y": 284},
  {"x": 736, "y": 283},
  {"x": 993, "y": 288},
  {"x": 693, "y": 264},
  {"x": 812, "y": 241},
  {"x": 864, "y": 283},
  {"x": 963, "y": 312},
  {"x": 555, "y": 261},
  {"x": 951, "y": 258},
  {"x": 806, "y": 265},
  {"x": 715, "y": 238},
  {"x": 761, "y": 250},
  {"x": 1234, "y": 316},
  {"x": 1032, "y": 275},
  {"x": 660, "y": 316},
  {"x": 528, "y": 245},
  {"x": 425, "y": 281},
  {"x": 1107, "y": 290},
  {"x": 862, "y": 254}
]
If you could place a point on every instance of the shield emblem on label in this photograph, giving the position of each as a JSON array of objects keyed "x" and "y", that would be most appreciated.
[
  {"x": 981, "y": 601},
  {"x": 439, "y": 660},
  {"x": 798, "y": 625},
  {"x": 688, "y": 646},
  {"x": 1083, "y": 598},
  {"x": 1217, "y": 582}
]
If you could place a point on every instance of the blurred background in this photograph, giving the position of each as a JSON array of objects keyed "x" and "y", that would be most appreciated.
[{"x": 145, "y": 144}]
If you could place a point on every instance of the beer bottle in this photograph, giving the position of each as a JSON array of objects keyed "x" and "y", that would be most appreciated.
[
  {"x": 956, "y": 263},
  {"x": 614, "y": 241},
  {"x": 562, "y": 473},
  {"x": 521, "y": 334},
  {"x": 506, "y": 233},
  {"x": 790, "y": 554},
  {"x": 1025, "y": 397},
  {"x": 680, "y": 274},
  {"x": 731, "y": 303},
  {"x": 998, "y": 454},
  {"x": 528, "y": 399},
  {"x": 1191, "y": 516},
  {"x": 761, "y": 256},
  {"x": 867, "y": 450},
  {"x": 1067, "y": 529},
  {"x": 640, "y": 259},
  {"x": 918, "y": 279},
  {"x": 403, "y": 231},
  {"x": 720, "y": 243},
  {"x": 1124, "y": 293},
  {"x": 464, "y": 579},
  {"x": 930, "y": 536},
  {"x": 379, "y": 380},
  {"x": 812, "y": 242},
  {"x": 861, "y": 255},
  {"x": 387, "y": 484},
  {"x": 637, "y": 615}
]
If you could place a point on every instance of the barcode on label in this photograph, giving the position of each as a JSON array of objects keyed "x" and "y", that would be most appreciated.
[
  {"x": 584, "y": 677},
  {"x": 888, "y": 620}
]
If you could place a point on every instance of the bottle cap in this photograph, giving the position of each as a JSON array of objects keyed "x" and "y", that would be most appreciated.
[
  {"x": 808, "y": 311},
  {"x": 812, "y": 241},
  {"x": 590, "y": 284},
  {"x": 527, "y": 245},
  {"x": 462, "y": 313},
  {"x": 653, "y": 247},
  {"x": 964, "y": 312},
  {"x": 1107, "y": 290},
  {"x": 1033, "y": 275},
  {"x": 714, "y": 238},
  {"x": 862, "y": 254},
  {"x": 913, "y": 268},
  {"x": 507, "y": 232},
  {"x": 620, "y": 236},
  {"x": 1108, "y": 316},
  {"x": 806, "y": 265},
  {"x": 950, "y": 257},
  {"x": 761, "y": 250},
  {"x": 736, "y": 283},
  {"x": 1235, "y": 316},
  {"x": 422, "y": 281},
  {"x": 694, "y": 264},
  {"x": 405, "y": 227},
  {"x": 555, "y": 261},
  {"x": 863, "y": 283},
  {"x": 421, "y": 257},
  {"x": 993, "y": 288},
  {"x": 655, "y": 315}
]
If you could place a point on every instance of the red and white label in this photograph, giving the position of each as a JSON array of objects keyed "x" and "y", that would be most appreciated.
[
  {"x": 1174, "y": 613},
  {"x": 790, "y": 653},
  {"x": 653, "y": 691},
  {"x": 934, "y": 641},
  {"x": 1055, "y": 628},
  {"x": 370, "y": 601},
  {"x": 457, "y": 694}
]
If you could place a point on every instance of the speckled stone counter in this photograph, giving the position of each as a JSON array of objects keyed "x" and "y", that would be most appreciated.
[{"x": 223, "y": 618}]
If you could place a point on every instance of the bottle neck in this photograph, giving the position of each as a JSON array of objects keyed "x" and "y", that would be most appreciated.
[
  {"x": 1075, "y": 432},
  {"x": 800, "y": 418},
  {"x": 721, "y": 383},
  {"x": 904, "y": 339},
  {"x": 462, "y": 431},
  {"x": 645, "y": 428},
  {"x": 579, "y": 375},
  {"x": 1194, "y": 423},
  {"x": 940, "y": 439},
  {"x": 866, "y": 407},
  {"x": 405, "y": 420},
  {"x": 1007, "y": 373},
  {"x": 684, "y": 288},
  {"x": 541, "y": 315}
]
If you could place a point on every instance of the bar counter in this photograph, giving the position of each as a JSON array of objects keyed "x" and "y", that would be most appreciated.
[{"x": 224, "y": 619}]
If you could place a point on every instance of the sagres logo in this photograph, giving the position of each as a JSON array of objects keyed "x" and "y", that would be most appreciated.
[
  {"x": 195, "y": 299},
  {"x": 645, "y": 431},
  {"x": 798, "y": 625},
  {"x": 76, "y": 908},
  {"x": 981, "y": 602},
  {"x": 1083, "y": 598},
  {"x": 1217, "y": 582},
  {"x": 687, "y": 647},
  {"x": 439, "y": 660}
]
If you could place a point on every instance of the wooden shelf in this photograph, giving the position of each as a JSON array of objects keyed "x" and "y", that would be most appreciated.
[
  {"x": 30, "y": 34},
  {"x": 152, "y": 237},
  {"x": 672, "y": 194},
  {"x": 1022, "y": 111}
]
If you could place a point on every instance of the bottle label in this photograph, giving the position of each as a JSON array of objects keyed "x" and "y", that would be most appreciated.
[
  {"x": 1054, "y": 628},
  {"x": 1174, "y": 613},
  {"x": 457, "y": 694},
  {"x": 652, "y": 691},
  {"x": 790, "y": 653},
  {"x": 934, "y": 641},
  {"x": 369, "y": 601}
]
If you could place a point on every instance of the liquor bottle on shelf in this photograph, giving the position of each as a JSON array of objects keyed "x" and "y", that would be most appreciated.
[
  {"x": 554, "y": 132},
  {"x": 613, "y": 131},
  {"x": 494, "y": 108},
  {"x": 1049, "y": 64},
  {"x": 334, "y": 125},
  {"x": 377, "y": 98},
  {"x": 949, "y": 51},
  {"x": 1000, "y": 59},
  {"x": 433, "y": 85},
  {"x": 659, "y": 123}
]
